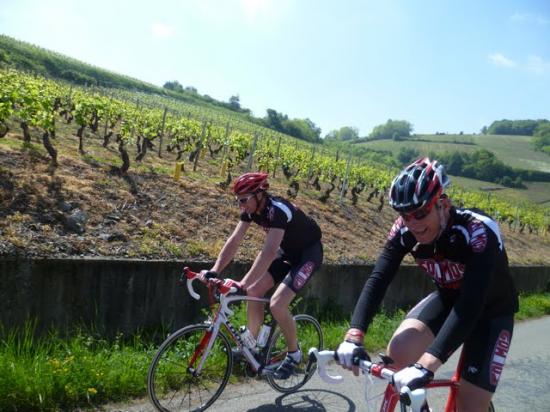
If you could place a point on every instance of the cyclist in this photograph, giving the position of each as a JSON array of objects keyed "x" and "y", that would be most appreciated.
[
  {"x": 475, "y": 299},
  {"x": 292, "y": 251}
]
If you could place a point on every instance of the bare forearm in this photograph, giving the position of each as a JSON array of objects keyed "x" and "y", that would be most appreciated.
[
  {"x": 430, "y": 362},
  {"x": 226, "y": 255}
]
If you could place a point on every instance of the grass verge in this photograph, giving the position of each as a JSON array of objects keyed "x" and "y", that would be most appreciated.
[{"x": 52, "y": 373}]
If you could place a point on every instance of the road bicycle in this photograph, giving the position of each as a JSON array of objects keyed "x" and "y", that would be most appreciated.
[
  {"x": 193, "y": 365},
  {"x": 416, "y": 399}
]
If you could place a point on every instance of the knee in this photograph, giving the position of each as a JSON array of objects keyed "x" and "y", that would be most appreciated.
[
  {"x": 277, "y": 308},
  {"x": 254, "y": 291},
  {"x": 398, "y": 351}
]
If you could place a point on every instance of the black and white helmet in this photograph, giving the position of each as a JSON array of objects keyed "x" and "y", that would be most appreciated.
[{"x": 419, "y": 183}]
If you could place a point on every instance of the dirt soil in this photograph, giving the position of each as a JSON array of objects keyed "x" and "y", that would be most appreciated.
[{"x": 84, "y": 208}]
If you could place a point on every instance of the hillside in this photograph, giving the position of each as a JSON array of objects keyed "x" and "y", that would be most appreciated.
[
  {"x": 30, "y": 58},
  {"x": 514, "y": 151},
  {"x": 83, "y": 208}
]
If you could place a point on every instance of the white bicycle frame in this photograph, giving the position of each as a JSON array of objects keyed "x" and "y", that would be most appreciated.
[{"x": 222, "y": 318}]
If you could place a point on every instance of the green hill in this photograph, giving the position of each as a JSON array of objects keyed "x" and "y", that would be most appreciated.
[
  {"x": 132, "y": 124},
  {"x": 515, "y": 151},
  {"x": 30, "y": 58}
]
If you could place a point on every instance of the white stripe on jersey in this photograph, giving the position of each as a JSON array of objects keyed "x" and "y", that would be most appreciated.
[
  {"x": 464, "y": 232},
  {"x": 491, "y": 224},
  {"x": 284, "y": 208}
]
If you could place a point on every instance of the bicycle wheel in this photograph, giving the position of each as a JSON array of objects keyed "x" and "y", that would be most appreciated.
[
  {"x": 309, "y": 335},
  {"x": 172, "y": 382}
]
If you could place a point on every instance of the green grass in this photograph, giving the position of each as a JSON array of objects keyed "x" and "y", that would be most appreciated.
[
  {"x": 536, "y": 192},
  {"x": 514, "y": 151},
  {"x": 533, "y": 306},
  {"x": 52, "y": 373}
]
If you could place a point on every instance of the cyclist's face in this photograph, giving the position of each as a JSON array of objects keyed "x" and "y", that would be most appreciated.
[
  {"x": 426, "y": 228},
  {"x": 247, "y": 203}
]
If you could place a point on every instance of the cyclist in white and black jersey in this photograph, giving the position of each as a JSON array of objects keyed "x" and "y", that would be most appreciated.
[
  {"x": 291, "y": 253},
  {"x": 301, "y": 231},
  {"x": 475, "y": 299}
]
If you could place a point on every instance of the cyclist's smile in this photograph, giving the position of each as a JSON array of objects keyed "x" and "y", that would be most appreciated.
[{"x": 426, "y": 229}]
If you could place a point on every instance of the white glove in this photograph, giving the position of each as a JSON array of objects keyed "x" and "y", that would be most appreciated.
[
  {"x": 414, "y": 377},
  {"x": 346, "y": 351}
]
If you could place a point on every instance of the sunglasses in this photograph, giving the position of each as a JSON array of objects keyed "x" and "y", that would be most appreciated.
[
  {"x": 418, "y": 214},
  {"x": 243, "y": 200}
]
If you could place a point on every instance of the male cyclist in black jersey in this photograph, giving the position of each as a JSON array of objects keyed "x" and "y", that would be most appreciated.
[
  {"x": 475, "y": 299},
  {"x": 292, "y": 251}
]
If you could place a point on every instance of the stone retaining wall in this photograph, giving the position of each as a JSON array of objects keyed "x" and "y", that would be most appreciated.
[{"x": 127, "y": 295}]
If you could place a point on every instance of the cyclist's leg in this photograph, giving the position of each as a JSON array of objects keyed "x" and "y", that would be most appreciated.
[
  {"x": 472, "y": 398},
  {"x": 417, "y": 331},
  {"x": 485, "y": 353},
  {"x": 409, "y": 342},
  {"x": 255, "y": 310},
  {"x": 298, "y": 276},
  {"x": 279, "y": 304}
]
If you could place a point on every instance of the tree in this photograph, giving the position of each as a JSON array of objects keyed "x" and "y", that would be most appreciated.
[
  {"x": 344, "y": 134},
  {"x": 274, "y": 120},
  {"x": 234, "y": 102},
  {"x": 541, "y": 137},
  {"x": 303, "y": 129},
  {"x": 393, "y": 129},
  {"x": 174, "y": 86},
  {"x": 407, "y": 154},
  {"x": 454, "y": 164},
  {"x": 515, "y": 127}
]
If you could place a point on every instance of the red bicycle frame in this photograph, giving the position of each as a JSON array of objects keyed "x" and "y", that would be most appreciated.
[
  {"x": 385, "y": 372},
  {"x": 391, "y": 396}
]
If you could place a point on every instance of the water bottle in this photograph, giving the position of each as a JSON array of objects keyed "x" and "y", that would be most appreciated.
[
  {"x": 247, "y": 337},
  {"x": 264, "y": 335}
]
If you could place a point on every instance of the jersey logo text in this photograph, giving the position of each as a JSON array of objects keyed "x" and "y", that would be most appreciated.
[{"x": 499, "y": 356}]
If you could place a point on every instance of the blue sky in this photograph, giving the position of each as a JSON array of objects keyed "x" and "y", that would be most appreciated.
[{"x": 442, "y": 65}]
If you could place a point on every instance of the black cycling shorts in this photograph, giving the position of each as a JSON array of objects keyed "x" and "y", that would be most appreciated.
[
  {"x": 486, "y": 348},
  {"x": 296, "y": 271}
]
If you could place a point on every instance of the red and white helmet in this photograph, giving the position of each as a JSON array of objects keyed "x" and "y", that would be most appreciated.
[
  {"x": 418, "y": 184},
  {"x": 253, "y": 182}
]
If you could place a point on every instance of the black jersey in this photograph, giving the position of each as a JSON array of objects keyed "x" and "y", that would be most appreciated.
[
  {"x": 301, "y": 231},
  {"x": 467, "y": 263}
]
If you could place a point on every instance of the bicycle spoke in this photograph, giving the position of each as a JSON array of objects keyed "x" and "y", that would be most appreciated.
[
  {"x": 174, "y": 384},
  {"x": 309, "y": 334}
]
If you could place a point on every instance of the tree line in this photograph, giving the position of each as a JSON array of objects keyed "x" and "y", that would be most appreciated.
[
  {"x": 515, "y": 127},
  {"x": 480, "y": 165}
]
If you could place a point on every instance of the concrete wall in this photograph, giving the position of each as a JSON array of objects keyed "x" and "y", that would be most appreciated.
[{"x": 119, "y": 295}]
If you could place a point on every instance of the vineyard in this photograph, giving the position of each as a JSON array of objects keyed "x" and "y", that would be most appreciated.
[{"x": 194, "y": 138}]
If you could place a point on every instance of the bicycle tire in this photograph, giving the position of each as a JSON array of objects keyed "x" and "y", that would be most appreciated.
[
  {"x": 309, "y": 335},
  {"x": 172, "y": 385}
]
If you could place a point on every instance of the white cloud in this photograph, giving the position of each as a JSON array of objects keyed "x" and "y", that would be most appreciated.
[
  {"x": 530, "y": 18},
  {"x": 500, "y": 60},
  {"x": 538, "y": 65},
  {"x": 162, "y": 31}
]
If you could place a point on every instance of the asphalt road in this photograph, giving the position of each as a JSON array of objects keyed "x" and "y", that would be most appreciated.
[{"x": 524, "y": 386}]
